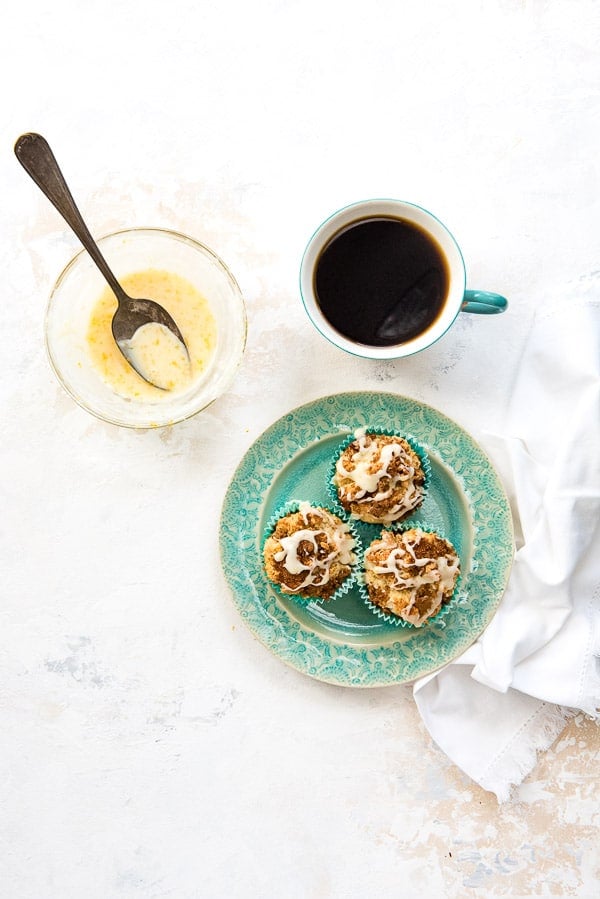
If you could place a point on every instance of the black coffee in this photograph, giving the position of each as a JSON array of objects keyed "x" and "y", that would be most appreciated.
[{"x": 381, "y": 281}]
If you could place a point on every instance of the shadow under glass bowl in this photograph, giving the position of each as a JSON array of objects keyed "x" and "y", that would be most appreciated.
[{"x": 77, "y": 291}]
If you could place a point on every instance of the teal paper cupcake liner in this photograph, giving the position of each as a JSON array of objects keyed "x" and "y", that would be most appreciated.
[
  {"x": 294, "y": 506},
  {"x": 414, "y": 444},
  {"x": 456, "y": 599}
]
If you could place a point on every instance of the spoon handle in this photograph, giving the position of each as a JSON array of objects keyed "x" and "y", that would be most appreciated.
[{"x": 36, "y": 157}]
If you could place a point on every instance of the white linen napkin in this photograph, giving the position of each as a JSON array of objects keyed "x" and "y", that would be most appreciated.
[{"x": 538, "y": 661}]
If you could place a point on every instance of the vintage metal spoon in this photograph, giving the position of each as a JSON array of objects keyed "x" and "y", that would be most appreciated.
[{"x": 36, "y": 157}]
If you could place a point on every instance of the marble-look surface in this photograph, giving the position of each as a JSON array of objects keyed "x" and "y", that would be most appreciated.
[{"x": 151, "y": 747}]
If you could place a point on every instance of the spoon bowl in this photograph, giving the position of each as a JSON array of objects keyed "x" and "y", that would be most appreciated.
[{"x": 34, "y": 153}]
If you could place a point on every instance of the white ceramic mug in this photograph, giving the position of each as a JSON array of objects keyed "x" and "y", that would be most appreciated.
[{"x": 457, "y": 298}]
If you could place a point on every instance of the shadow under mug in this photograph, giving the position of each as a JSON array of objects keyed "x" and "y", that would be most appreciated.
[{"x": 457, "y": 298}]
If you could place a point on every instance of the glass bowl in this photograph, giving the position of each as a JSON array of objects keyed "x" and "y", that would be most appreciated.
[{"x": 77, "y": 291}]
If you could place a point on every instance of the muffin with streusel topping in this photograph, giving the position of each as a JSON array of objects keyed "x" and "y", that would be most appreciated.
[
  {"x": 310, "y": 553},
  {"x": 410, "y": 574},
  {"x": 379, "y": 478}
]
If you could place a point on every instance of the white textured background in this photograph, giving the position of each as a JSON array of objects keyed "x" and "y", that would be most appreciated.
[{"x": 150, "y": 746}]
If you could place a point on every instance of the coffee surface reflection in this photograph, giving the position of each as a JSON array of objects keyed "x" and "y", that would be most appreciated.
[{"x": 381, "y": 281}]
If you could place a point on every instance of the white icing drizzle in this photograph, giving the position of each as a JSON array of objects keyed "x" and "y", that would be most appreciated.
[
  {"x": 367, "y": 480},
  {"x": 444, "y": 572},
  {"x": 318, "y": 571}
]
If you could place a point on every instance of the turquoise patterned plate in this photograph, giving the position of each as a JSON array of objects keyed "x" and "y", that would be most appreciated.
[{"x": 343, "y": 642}]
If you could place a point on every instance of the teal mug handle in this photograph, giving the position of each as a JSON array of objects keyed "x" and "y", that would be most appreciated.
[{"x": 483, "y": 302}]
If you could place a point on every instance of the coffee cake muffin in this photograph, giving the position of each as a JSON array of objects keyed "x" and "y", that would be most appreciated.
[
  {"x": 411, "y": 574},
  {"x": 310, "y": 553},
  {"x": 379, "y": 478}
]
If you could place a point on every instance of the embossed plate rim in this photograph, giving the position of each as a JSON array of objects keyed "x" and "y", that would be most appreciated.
[{"x": 335, "y": 661}]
